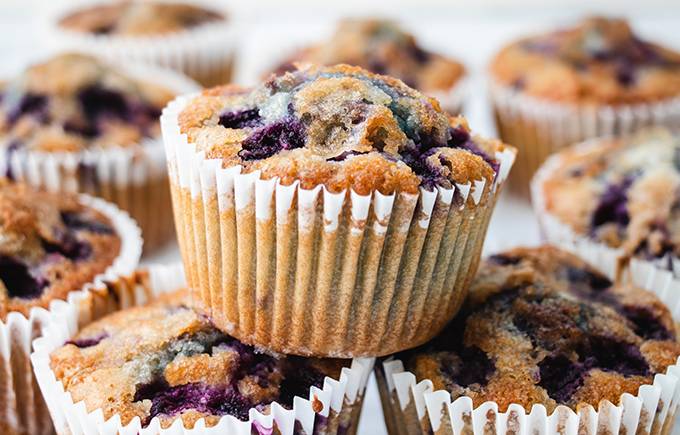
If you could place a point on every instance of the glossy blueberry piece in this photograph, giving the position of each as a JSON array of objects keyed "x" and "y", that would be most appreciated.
[
  {"x": 241, "y": 119},
  {"x": 286, "y": 134},
  {"x": 612, "y": 207}
]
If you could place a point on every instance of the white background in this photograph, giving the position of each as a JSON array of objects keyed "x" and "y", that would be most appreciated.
[{"x": 469, "y": 30}]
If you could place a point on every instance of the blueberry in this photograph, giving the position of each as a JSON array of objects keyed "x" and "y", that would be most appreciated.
[
  {"x": 97, "y": 102},
  {"x": 88, "y": 342},
  {"x": 299, "y": 378},
  {"x": 30, "y": 104},
  {"x": 561, "y": 377},
  {"x": 504, "y": 260},
  {"x": 19, "y": 280},
  {"x": 76, "y": 222},
  {"x": 241, "y": 119},
  {"x": 647, "y": 325},
  {"x": 476, "y": 367},
  {"x": 612, "y": 207},
  {"x": 286, "y": 134}
]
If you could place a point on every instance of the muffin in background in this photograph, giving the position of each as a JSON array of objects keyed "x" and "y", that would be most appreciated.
[
  {"x": 618, "y": 194},
  {"x": 542, "y": 334},
  {"x": 594, "y": 79},
  {"x": 157, "y": 366},
  {"x": 341, "y": 213},
  {"x": 76, "y": 124},
  {"x": 383, "y": 47},
  {"x": 51, "y": 247},
  {"x": 194, "y": 38}
]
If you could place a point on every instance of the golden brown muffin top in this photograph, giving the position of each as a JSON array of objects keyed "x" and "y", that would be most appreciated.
[
  {"x": 341, "y": 127},
  {"x": 599, "y": 60}
]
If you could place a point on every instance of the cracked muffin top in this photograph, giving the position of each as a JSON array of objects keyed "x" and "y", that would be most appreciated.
[
  {"x": 138, "y": 18},
  {"x": 164, "y": 360},
  {"x": 621, "y": 192},
  {"x": 50, "y": 245},
  {"x": 382, "y": 47},
  {"x": 341, "y": 127},
  {"x": 599, "y": 60},
  {"x": 74, "y": 102},
  {"x": 542, "y": 327}
]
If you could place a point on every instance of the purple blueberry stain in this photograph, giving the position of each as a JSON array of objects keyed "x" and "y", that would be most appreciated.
[
  {"x": 97, "y": 102},
  {"x": 76, "y": 222},
  {"x": 84, "y": 343},
  {"x": 504, "y": 260},
  {"x": 612, "y": 207},
  {"x": 476, "y": 367},
  {"x": 248, "y": 118},
  {"x": 561, "y": 377},
  {"x": 646, "y": 324},
  {"x": 19, "y": 280},
  {"x": 285, "y": 134},
  {"x": 30, "y": 104}
]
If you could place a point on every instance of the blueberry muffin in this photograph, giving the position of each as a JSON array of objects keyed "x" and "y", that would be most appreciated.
[
  {"x": 193, "y": 38},
  {"x": 50, "y": 245},
  {"x": 383, "y": 47},
  {"x": 137, "y": 18},
  {"x": 595, "y": 78},
  {"x": 543, "y": 327},
  {"x": 76, "y": 123},
  {"x": 164, "y": 361},
  {"x": 619, "y": 192},
  {"x": 346, "y": 135}
]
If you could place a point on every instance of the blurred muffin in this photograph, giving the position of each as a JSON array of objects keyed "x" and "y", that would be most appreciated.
[
  {"x": 186, "y": 36},
  {"x": 596, "y": 78},
  {"x": 621, "y": 193},
  {"x": 543, "y": 328},
  {"x": 51, "y": 247},
  {"x": 407, "y": 192},
  {"x": 382, "y": 47},
  {"x": 73, "y": 123}
]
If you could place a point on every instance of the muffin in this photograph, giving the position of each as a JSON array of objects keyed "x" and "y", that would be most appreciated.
[
  {"x": 619, "y": 194},
  {"x": 51, "y": 246},
  {"x": 594, "y": 79},
  {"x": 383, "y": 47},
  {"x": 73, "y": 123},
  {"x": 542, "y": 333},
  {"x": 151, "y": 367},
  {"x": 324, "y": 211},
  {"x": 194, "y": 38}
]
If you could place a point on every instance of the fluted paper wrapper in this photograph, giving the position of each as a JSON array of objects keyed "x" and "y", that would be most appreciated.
[
  {"x": 22, "y": 409},
  {"x": 453, "y": 99},
  {"x": 134, "y": 178},
  {"x": 538, "y": 128},
  {"x": 374, "y": 268},
  {"x": 611, "y": 260},
  {"x": 204, "y": 53},
  {"x": 333, "y": 409},
  {"x": 413, "y": 407}
]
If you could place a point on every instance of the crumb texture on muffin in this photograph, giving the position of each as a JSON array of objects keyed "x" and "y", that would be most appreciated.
[
  {"x": 164, "y": 360},
  {"x": 139, "y": 18},
  {"x": 73, "y": 102},
  {"x": 49, "y": 245},
  {"x": 382, "y": 47},
  {"x": 341, "y": 127},
  {"x": 542, "y": 327},
  {"x": 621, "y": 192},
  {"x": 599, "y": 60}
]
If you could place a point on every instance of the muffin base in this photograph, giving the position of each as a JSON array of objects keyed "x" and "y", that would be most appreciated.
[
  {"x": 538, "y": 128},
  {"x": 415, "y": 408},
  {"x": 328, "y": 411},
  {"x": 22, "y": 408}
]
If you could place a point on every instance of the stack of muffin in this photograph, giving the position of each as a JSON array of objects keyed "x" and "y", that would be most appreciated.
[{"x": 328, "y": 217}]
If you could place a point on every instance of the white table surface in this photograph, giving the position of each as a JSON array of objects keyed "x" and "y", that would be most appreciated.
[{"x": 471, "y": 31}]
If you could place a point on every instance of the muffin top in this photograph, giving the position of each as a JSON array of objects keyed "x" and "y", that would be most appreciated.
[
  {"x": 542, "y": 327},
  {"x": 599, "y": 60},
  {"x": 73, "y": 102},
  {"x": 621, "y": 192},
  {"x": 164, "y": 360},
  {"x": 50, "y": 244},
  {"x": 138, "y": 18},
  {"x": 342, "y": 127},
  {"x": 382, "y": 47}
]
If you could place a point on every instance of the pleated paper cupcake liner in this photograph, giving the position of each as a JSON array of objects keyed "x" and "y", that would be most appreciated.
[
  {"x": 539, "y": 128},
  {"x": 453, "y": 99},
  {"x": 333, "y": 409},
  {"x": 612, "y": 261},
  {"x": 22, "y": 409},
  {"x": 413, "y": 407},
  {"x": 312, "y": 272},
  {"x": 204, "y": 53},
  {"x": 134, "y": 178}
]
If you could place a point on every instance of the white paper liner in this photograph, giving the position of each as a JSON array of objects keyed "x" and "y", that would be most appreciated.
[
  {"x": 133, "y": 177},
  {"x": 205, "y": 53},
  {"x": 334, "y": 401},
  {"x": 646, "y": 273},
  {"x": 539, "y": 127},
  {"x": 250, "y": 243},
  {"x": 651, "y": 411},
  {"x": 453, "y": 99},
  {"x": 22, "y": 409}
]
